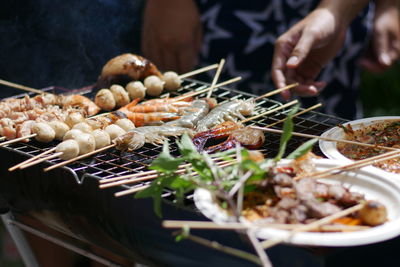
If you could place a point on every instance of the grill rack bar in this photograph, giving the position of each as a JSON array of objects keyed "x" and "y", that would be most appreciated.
[{"x": 113, "y": 163}]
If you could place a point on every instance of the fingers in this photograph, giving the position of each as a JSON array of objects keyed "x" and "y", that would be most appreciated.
[
  {"x": 301, "y": 50},
  {"x": 381, "y": 45}
]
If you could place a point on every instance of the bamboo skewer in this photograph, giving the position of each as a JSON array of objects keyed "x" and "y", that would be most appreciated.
[
  {"x": 209, "y": 225},
  {"x": 272, "y": 242},
  {"x": 17, "y": 139},
  {"x": 216, "y": 77},
  {"x": 52, "y": 156},
  {"x": 32, "y": 159},
  {"x": 270, "y": 111},
  {"x": 325, "y": 138},
  {"x": 2, "y": 138},
  {"x": 279, "y": 90},
  {"x": 297, "y": 114},
  {"x": 21, "y": 87},
  {"x": 78, "y": 158},
  {"x": 198, "y": 71}
]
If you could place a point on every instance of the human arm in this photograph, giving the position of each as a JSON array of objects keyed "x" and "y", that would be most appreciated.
[
  {"x": 384, "y": 48},
  {"x": 302, "y": 51},
  {"x": 171, "y": 34}
]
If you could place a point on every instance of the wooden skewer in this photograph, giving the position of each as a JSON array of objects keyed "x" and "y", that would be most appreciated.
[
  {"x": 17, "y": 139},
  {"x": 2, "y": 138},
  {"x": 351, "y": 166},
  {"x": 21, "y": 87},
  {"x": 55, "y": 155},
  {"x": 194, "y": 72},
  {"x": 216, "y": 77},
  {"x": 32, "y": 159},
  {"x": 324, "y": 138},
  {"x": 277, "y": 91},
  {"x": 270, "y": 111},
  {"x": 303, "y": 228},
  {"x": 241, "y": 226},
  {"x": 297, "y": 114},
  {"x": 208, "y": 88},
  {"x": 78, "y": 158}
]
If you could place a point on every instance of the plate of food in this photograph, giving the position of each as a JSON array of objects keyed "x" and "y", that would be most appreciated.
[
  {"x": 285, "y": 205},
  {"x": 382, "y": 131}
]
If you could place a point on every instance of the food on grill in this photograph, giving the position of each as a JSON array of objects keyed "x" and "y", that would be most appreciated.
[
  {"x": 69, "y": 149},
  {"x": 74, "y": 118},
  {"x": 44, "y": 133},
  {"x": 171, "y": 80},
  {"x": 125, "y": 124},
  {"x": 101, "y": 138},
  {"x": 136, "y": 89},
  {"x": 7, "y": 128},
  {"x": 126, "y": 67},
  {"x": 80, "y": 101},
  {"x": 120, "y": 95},
  {"x": 114, "y": 131},
  {"x": 154, "y": 85},
  {"x": 195, "y": 112},
  {"x": 86, "y": 143},
  {"x": 136, "y": 138},
  {"x": 60, "y": 128},
  {"x": 25, "y": 129},
  {"x": 373, "y": 213},
  {"x": 105, "y": 99},
  {"x": 150, "y": 118},
  {"x": 72, "y": 134},
  {"x": 383, "y": 134},
  {"x": 231, "y": 111},
  {"x": 83, "y": 126}
]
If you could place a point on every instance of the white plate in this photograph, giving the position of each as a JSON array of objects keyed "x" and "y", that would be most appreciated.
[{"x": 365, "y": 181}]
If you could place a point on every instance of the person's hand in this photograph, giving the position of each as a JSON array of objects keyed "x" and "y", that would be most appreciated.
[
  {"x": 171, "y": 34},
  {"x": 384, "y": 48},
  {"x": 302, "y": 52}
]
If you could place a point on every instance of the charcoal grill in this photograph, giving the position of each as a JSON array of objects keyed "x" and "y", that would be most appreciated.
[{"x": 68, "y": 199}]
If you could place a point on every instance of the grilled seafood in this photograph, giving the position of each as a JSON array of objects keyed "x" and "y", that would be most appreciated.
[
  {"x": 79, "y": 101},
  {"x": 154, "y": 85},
  {"x": 126, "y": 67},
  {"x": 172, "y": 81},
  {"x": 191, "y": 115},
  {"x": 141, "y": 119},
  {"x": 229, "y": 111},
  {"x": 105, "y": 99},
  {"x": 136, "y": 89},
  {"x": 120, "y": 95},
  {"x": 137, "y": 137}
]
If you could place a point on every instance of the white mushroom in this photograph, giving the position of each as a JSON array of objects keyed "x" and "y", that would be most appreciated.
[
  {"x": 105, "y": 99},
  {"x": 114, "y": 131},
  {"x": 125, "y": 124},
  {"x": 136, "y": 89},
  {"x": 101, "y": 138},
  {"x": 60, "y": 128},
  {"x": 44, "y": 133},
  {"x": 154, "y": 85},
  {"x": 72, "y": 134},
  {"x": 69, "y": 149},
  {"x": 120, "y": 95},
  {"x": 86, "y": 143},
  {"x": 172, "y": 81},
  {"x": 84, "y": 127},
  {"x": 74, "y": 118}
]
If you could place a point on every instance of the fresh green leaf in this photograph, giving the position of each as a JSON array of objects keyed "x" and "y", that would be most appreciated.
[
  {"x": 165, "y": 162},
  {"x": 287, "y": 132},
  {"x": 303, "y": 149}
]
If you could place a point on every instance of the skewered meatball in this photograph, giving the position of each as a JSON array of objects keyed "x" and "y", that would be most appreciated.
[
  {"x": 60, "y": 128},
  {"x": 101, "y": 138},
  {"x": 44, "y": 133},
  {"x": 74, "y": 118},
  {"x": 72, "y": 134},
  {"x": 120, "y": 95},
  {"x": 154, "y": 85},
  {"x": 105, "y": 99},
  {"x": 86, "y": 143},
  {"x": 125, "y": 124},
  {"x": 373, "y": 213},
  {"x": 114, "y": 131},
  {"x": 172, "y": 81},
  {"x": 69, "y": 149},
  {"x": 136, "y": 89},
  {"x": 84, "y": 127}
]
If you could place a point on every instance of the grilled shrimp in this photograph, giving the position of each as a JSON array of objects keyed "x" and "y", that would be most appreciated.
[
  {"x": 173, "y": 107},
  {"x": 152, "y": 118},
  {"x": 126, "y": 67},
  {"x": 137, "y": 137},
  {"x": 229, "y": 111},
  {"x": 192, "y": 114},
  {"x": 247, "y": 137},
  {"x": 78, "y": 101},
  {"x": 7, "y": 128}
]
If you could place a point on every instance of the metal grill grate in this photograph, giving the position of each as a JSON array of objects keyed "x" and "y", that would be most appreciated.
[{"x": 113, "y": 163}]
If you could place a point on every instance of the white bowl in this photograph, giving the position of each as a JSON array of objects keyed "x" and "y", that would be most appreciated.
[{"x": 365, "y": 181}]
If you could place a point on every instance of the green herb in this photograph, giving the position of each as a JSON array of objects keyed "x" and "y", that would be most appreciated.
[{"x": 303, "y": 149}]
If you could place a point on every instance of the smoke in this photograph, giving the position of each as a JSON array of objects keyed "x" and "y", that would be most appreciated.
[{"x": 64, "y": 43}]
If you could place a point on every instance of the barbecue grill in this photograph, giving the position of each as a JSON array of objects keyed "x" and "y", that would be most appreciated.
[{"x": 68, "y": 199}]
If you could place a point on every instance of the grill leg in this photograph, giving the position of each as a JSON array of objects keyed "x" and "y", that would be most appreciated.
[{"x": 18, "y": 237}]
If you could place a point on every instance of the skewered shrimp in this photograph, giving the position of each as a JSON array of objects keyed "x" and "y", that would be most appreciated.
[
  {"x": 154, "y": 85},
  {"x": 160, "y": 107},
  {"x": 44, "y": 133},
  {"x": 99, "y": 122},
  {"x": 69, "y": 149},
  {"x": 152, "y": 118},
  {"x": 137, "y": 137},
  {"x": 120, "y": 95},
  {"x": 25, "y": 129},
  {"x": 126, "y": 66},
  {"x": 7, "y": 128},
  {"x": 171, "y": 80},
  {"x": 192, "y": 114},
  {"x": 79, "y": 101},
  {"x": 105, "y": 99},
  {"x": 136, "y": 89},
  {"x": 229, "y": 111}
]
